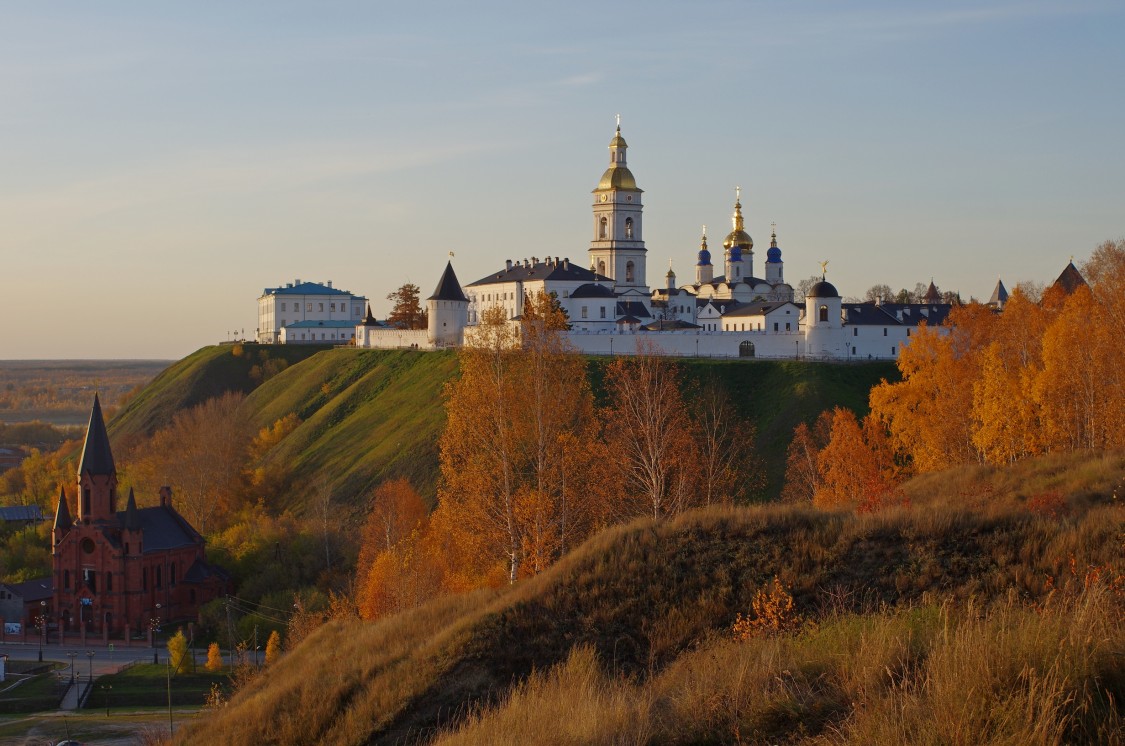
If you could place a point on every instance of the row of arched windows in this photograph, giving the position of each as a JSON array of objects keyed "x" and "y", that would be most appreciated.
[{"x": 603, "y": 228}]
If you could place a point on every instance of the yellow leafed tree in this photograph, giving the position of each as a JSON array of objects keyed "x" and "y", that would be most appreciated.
[
  {"x": 273, "y": 647},
  {"x": 214, "y": 658}
]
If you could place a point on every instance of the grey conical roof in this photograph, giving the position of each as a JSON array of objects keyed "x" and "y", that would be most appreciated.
[
  {"x": 1070, "y": 279},
  {"x": 448, "y": 287},
  {"x": 63, "y": 521},
  {"x": 97, "y": 458},
  {"x": 999, "y": 294},
  {"x": 132, "y": 518}
]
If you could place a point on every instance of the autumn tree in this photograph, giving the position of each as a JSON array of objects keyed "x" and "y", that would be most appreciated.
[
  {"x": 1006, "y": 422},
  {"x": 726, "y": 451},
  {"x": 407, "y": 312},
  {"x": 802, "y": 473},
  {"x": 929, "y": 412},
  {"x": 1080, "y": 388},
  {"x": 554, "y": 423},
  {"x": 650, "y": 436},
  {"x": 177, "y": 651},
  {"x": 201, "y": 455},
  {"x": 857, "y": 468},
  {"x": 273, "y": 647},
  {"x": 214, "y": 658},
  {"x": 519, "y": 420},
  {"x": 396, "y": 510}
]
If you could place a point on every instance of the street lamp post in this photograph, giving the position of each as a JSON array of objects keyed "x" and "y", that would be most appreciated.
[
  {"x": 107, "y": 688},
  {"x": 72, "y": 655},
  {"x": 42, "y": 627},
  {"x": 90, "y": 656},
  {"x": 154, "y": 626}
]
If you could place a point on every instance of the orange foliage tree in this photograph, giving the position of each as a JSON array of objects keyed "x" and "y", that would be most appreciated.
[
  {"x": 929, "y": 412},
  {"x": 802, "y": 473},
  {"x": 389, "y": 569},
  {"x": 202, "y": 456},
  {"x": 519, "y": 420},
  {"x": 857, "y": 466},
  {"x": 1006, "y": 422}
]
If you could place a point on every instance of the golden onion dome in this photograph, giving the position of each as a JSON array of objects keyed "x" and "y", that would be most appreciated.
[
  {"x": 617, "y": 177},
  {"x": 739, "y": 238}
]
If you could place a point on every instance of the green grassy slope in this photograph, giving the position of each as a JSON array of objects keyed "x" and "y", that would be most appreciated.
[
  {"x": 367, "y": 416},
  {"x": 646, "y": 595},
  {"x": 204, "y": 374}
]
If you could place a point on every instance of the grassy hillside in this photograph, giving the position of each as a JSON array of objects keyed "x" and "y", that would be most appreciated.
[
  {"x": 206, "y": 373},
  {"x": 926, "y": 619},
  {"x": 366, "y": 416},
  {"x": 372, "y": 414}
]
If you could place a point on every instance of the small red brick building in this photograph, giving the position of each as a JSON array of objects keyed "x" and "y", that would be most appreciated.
[{"x": 132, "y": 568}]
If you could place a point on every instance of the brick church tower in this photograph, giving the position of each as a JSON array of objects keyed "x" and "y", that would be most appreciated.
[{"x": 116, "y": 568}]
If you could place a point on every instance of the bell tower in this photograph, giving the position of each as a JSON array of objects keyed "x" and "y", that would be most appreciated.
[{"x": 618, "y": 249}]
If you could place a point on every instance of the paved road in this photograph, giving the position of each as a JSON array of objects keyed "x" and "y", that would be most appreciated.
[{"x": 104, "y": 659}]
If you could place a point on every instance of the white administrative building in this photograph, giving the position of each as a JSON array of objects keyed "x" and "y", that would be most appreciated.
[{"x": 309, "y": 313}]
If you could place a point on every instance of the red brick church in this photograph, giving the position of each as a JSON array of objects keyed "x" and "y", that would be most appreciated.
[{"x": 117, "y": 569}]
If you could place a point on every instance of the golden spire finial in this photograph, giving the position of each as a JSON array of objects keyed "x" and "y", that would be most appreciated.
[
  {"x": 618, "y": 122},
  {"x": 736, "y": 219},
  {"x": 705, "y": 230},
  {"x": 823, "y": 269}
]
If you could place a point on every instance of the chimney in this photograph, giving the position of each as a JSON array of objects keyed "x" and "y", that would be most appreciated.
[
  {"x": 298, "y": 281},
  {"x": 165, "y": 496},
  {"x": 508, "y": 264},
  {"x": 566, "y": 264},
  {"x": 330, "y": 283}
]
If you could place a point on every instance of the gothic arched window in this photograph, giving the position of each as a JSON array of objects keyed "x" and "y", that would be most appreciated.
[
  {"x": 824, "y": 313},
  {"x": 601, "y": 268},
  {"x": 629, "y": 271},
  {"x": 603, "y": 228}
]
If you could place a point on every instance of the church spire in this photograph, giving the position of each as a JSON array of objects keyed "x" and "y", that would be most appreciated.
[
  {"x": 63, "y": 521},
  {"x": 132, "y": 519},
  {"x": 97, "y": 458},
  {"x": 736, "y": 219}
]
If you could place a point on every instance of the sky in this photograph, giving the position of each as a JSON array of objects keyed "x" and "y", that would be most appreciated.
[{"x": 163, "y": 163}]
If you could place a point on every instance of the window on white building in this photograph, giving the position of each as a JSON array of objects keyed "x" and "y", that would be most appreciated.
[
  {"x": 308, "y": 307},
  {"x": 283, "y": 306},
  {"x": 583, "y": 311},
  {"x": 602, "y": 309},
  {"x": 320, "y": 306}
]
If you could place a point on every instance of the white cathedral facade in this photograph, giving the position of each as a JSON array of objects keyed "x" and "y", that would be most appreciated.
[{"x": 611, "y": 306}]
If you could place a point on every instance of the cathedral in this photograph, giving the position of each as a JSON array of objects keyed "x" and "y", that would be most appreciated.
[
  {"x": 611, "y": 306},
  {"x": 120, "y": 572}
]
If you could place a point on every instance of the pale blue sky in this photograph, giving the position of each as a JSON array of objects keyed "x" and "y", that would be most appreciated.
[{"x": 162, "y": 163}]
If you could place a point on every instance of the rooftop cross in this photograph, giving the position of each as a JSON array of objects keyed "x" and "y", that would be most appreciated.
[{"x": 618, "y": 121}]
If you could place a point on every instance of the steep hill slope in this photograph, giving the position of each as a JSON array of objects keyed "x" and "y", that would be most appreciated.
[
  {"x": 206, "y": 373},
  {"x": 367, "y": 415},
  {"x": 649, "y": 597}
]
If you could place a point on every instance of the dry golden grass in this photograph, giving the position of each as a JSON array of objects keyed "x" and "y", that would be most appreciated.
[
  {"x": 928, "y": 675},
  {"x": 941, "y": 616}
]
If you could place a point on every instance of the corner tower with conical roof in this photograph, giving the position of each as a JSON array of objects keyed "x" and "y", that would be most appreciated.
[
  {"x": 97, "y": 474},
  {"x": 448, "y": 311},
  {"x": 618, "y": 249}
]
